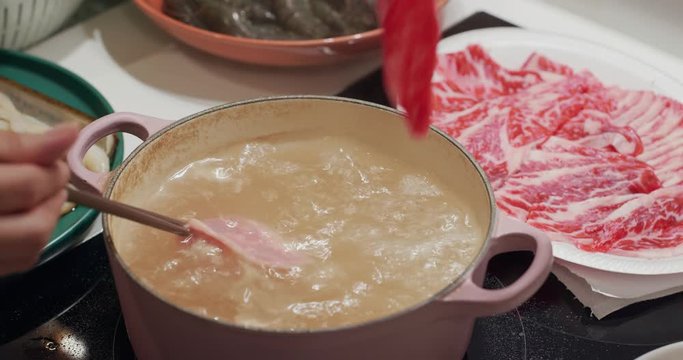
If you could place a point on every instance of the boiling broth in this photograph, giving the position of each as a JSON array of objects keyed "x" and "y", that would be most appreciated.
[{"x": 382, "y": 234}]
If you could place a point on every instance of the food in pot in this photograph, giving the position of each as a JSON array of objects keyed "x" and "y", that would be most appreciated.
[
  {"x": 595, "y": 165},
  {"x": 11, "y": 119},
  {"x": 249, "y": 239},
  {"x": 276, "y": 19},
  {"x": 382, "y": 234}
]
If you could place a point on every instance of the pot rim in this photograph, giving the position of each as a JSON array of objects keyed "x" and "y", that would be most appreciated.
[{"x": 285, "y": 332}]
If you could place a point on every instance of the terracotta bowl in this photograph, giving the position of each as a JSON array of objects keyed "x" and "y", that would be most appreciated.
[{"x": 266, "y": 52}]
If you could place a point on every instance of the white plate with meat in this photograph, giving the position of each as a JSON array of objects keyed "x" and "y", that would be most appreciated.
[{"x": 581, "y": 141}]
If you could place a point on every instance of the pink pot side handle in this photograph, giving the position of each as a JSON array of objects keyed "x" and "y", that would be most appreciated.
[
  {"x": 511, "y": 235},
  {"x": 139, "y": 125}
]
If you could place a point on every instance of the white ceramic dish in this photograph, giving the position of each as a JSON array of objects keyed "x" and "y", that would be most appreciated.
[
  {"x": 25, "y": 22},
  {"x": 511, "y": 46},
  {"x": 670, "y": 352}
]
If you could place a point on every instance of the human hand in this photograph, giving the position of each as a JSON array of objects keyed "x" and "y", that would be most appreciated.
[{"x": 33, "y": 176}]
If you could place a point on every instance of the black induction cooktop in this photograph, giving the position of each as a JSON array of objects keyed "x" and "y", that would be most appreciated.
[{"x": 67, "y": 308}]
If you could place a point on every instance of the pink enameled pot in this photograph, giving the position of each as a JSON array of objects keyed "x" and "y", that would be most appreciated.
[{"x": 438, "y": 328}]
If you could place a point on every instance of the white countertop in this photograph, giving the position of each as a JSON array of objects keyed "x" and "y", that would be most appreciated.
[
  {"x": 655, "y": 22},
  {"x": 139, "y": 68}
]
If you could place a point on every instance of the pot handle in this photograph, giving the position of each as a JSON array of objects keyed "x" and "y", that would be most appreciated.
[
  {"x": 139, "y": 125},
  {"x": 511, "y": 235}
]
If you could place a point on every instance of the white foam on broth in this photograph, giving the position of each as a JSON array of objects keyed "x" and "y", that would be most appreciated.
[{"x": 383, "y": 234}]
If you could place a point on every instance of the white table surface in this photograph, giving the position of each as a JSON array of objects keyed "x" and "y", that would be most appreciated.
[
  {"x": 139, "y": 68},
  {"x": 655, "y": 22}
]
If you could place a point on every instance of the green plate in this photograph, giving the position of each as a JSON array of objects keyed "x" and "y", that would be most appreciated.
[{"x": 64, "y": 86}]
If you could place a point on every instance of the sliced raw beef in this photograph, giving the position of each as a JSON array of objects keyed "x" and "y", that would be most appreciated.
[
  {"x": 484, "y": 131},
  {"x": 411, "y": 33},
  {"x": 455, "y": 122},
  {"x": 595, "y": 129},
  {"x": 652, "y": 116},
  {"x": 658, "y": 120},
  {"x": 448, "y": 99},
  {"x": 472, "y": 72},
  {"x": 618, "y": 222},
  {"x": 545, "y": 105},
  {"x": 552, "y": 104},
  {"x": 567, "y": 221},
  {"x": 599, "y": 167},
  {"x": 562, "y": 172},
  {"x": 541, "y": 64},
  {"x": 499, "y": 132},
  {"x": 653, "y": 220},
  {"x": 666, "y": 157}
]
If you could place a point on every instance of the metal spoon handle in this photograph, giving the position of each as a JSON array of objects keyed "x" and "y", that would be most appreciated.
[{"x": 132, "y": 213}]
